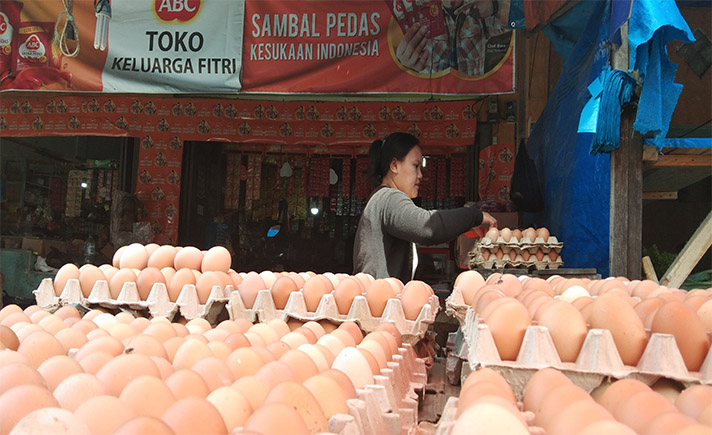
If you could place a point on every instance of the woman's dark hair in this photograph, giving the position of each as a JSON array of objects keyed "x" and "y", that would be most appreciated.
[{"x": 382, "y": 152}]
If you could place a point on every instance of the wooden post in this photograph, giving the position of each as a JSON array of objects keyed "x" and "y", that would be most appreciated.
[
  {"x": 687, "y": 259},
  {"x": 626, "y": 224},
  {"x": 649, "y": 269}
]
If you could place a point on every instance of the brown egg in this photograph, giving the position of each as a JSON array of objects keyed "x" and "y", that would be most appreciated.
[
  {"x": 328, "y": 393},
  {"x": 353, "y": 329},
  {"x": 145, "y": 425},
  {"x": 352, "y": 363},
  {"x": 193, "y": 415},
  {"x": 301, "y": 364},
  {"x": 314, "y": 289},
  {"x": 640, "y": 408},
  {"x": 300, "y": 398},
  {"x": 669, "y": 422},
  {"x": 609, "y": 311},
  {"x": 146, "y": 279},
  {"x": 51, "y": 420},
  {"x": 468, "y": 282},
  {"x": 607, "y": 427},
  {"x": 217, "y": 259},
  {"x": 8, "y": 338},
  {"x": 65, "y": 273},
  {"x": 205, "y": 283},
  {"x": 88, "y": 276},
  {"x": 17, "y": 402},
  {"x": 529, "y": 233},
  {"x": 244, "y": 362},
  {"x": 134, "y": 256},
  {"x": 678, "y": 319},
  {"x": 148, "y": 396},
  {"x": 575, "y": 416},
  {"x": 540, "y": 384},
  {"x": 294, "y": 339},
  {"x": 76, "y": 389},
  {"x": 566, "y": 326},
  {"x": 39, "y": 347},
  {"x": 344, "y": 294},
  {"x": 181, "y": 278},
  {"x": 18, "y": 373},
  {"x": 121, "y": 370},
  {"x": 118, "y": 280},
  {"x": 492, "y": 233},
  {"x": 509, "y": 284},
  {"x": 189, "y": 353},
  {"x": 116, "y": 261},
  {"x": 543, "y": 233},
  {"x": 249, "y": 287},
  {"x": 693, "y": 400},
  {"x": 233, "y": 406},
  {"x": 56, "y": 369},
  {"x": 414, "y": 297},
  {"x": 265, "y": 331},
  {"x": 281, "y": 290},
  {"x": 619, "y": 391},
  {"x": 253, "y": 389},
  {"x": 187, "y": 383},
  {"x": 473, "y": 393},
  {"x": 316, "y": 328},
  {"x": 289, "y": 422},
  {"x": 189, "y": 257},
  {"x": 506, "y": 234},
  {"x": 552, "y": 402},
  {"x": 508, "y": 322},
  {"x": 377, "y": 296},
  {"x": 274, "y": 373},
  {"x": 270, "y": 277},
  {"x": 488, "y": 418}
]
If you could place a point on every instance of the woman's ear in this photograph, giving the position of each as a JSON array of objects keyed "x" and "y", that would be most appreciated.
[{"x": 394, "y": 165}]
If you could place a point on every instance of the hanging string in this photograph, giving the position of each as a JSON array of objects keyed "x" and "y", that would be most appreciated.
[{"x": 69, "y": 31}]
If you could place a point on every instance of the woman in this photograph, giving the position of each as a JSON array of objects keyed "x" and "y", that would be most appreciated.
[{"x": 391, "y": 223}]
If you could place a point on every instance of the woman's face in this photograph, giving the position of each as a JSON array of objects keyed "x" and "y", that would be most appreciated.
[{"x": 407, "y": 173}]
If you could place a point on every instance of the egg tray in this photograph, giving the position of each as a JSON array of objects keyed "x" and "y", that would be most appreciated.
[
  {"x": 157, "y": 304},
  {"x": 477, "y": 260},
  {"x": 264, "y": 310},
  {"x": 390, "y": 404},
  {"x": 597, "y": 361},
  {"x": 525, "y": 244}
]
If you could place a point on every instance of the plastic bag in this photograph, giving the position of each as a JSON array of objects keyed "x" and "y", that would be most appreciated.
[{"x": 524, "y": 188}]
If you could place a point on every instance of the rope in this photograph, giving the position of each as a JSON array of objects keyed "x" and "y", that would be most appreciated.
[{"x": 68, "y": 31}]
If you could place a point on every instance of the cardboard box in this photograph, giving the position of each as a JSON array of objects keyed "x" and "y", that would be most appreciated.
[
  {"x": 35, "y": 245},
  {"x": 506, "y": 220}
]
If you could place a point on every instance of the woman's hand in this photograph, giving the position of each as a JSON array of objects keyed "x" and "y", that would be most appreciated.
[
  {"x": 488, "y": 220},
  {"x": 411, "y": 51}
]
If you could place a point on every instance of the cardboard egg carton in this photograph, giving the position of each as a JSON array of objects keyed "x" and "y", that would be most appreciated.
[
  {"x": 525, "y": 244},
  {"x": 157, "y": 304},
  {"x": 390, "y": 404},
  {"x": 476, "y": 259},
  {"x": 264, "y": 310},
  {"x": 597, "y": 361}
]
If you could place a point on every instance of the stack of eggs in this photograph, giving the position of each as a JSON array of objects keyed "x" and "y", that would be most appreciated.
[
  {"x": 104, "y": 373},
  {"x": 513, "y": 247},
  {"x": 146, "y": 265},
  {"x": 630, "y": 310},
  {"x": 344, "y": 288},
  {"x": 555, "y": 404}
]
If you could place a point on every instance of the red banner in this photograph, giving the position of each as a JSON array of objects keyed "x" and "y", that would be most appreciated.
[
  {"x": 495, "y": 172},
  {"x": 164, "y": 124},
  {"x": 377, "y": 46}
]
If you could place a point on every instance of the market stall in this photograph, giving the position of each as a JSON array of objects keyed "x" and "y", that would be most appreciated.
[{"x": 191, "y": 333}]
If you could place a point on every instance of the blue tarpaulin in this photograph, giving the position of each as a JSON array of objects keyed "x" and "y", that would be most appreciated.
[
  {"x": 686, "y": 142},
  {"x": 576, "y": 184}
]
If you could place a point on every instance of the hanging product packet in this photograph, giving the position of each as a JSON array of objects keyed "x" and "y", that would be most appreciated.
[
  {"x": 34, "y": 45},
  {"x": 9, "y": 23}
]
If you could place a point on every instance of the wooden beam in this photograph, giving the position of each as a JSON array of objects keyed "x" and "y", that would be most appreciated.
[
  {"x": 660, "y": 195},
  {"x": 626, "y": 203},
  {"x": 649, "y": 269},
  {"x": 687, "y": 259},
  {"x": 650, "y": 154},
  {"x": 684, "y": 160}
]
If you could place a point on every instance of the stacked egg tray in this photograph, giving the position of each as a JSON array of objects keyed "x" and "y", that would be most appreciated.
[
  {"x": 157, "y": 304},
  {"x": 597, "y": 361},
  {"x": 486, "y": 247},
  {"x": 264, "y": 310},
  {"x": 390, "y": 404}
]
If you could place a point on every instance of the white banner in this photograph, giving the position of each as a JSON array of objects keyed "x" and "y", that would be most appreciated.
[{"x": 174, "y": 46}]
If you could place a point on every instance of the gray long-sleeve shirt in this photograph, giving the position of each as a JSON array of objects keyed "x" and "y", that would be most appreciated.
[{"x": 391, "y": 222}]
